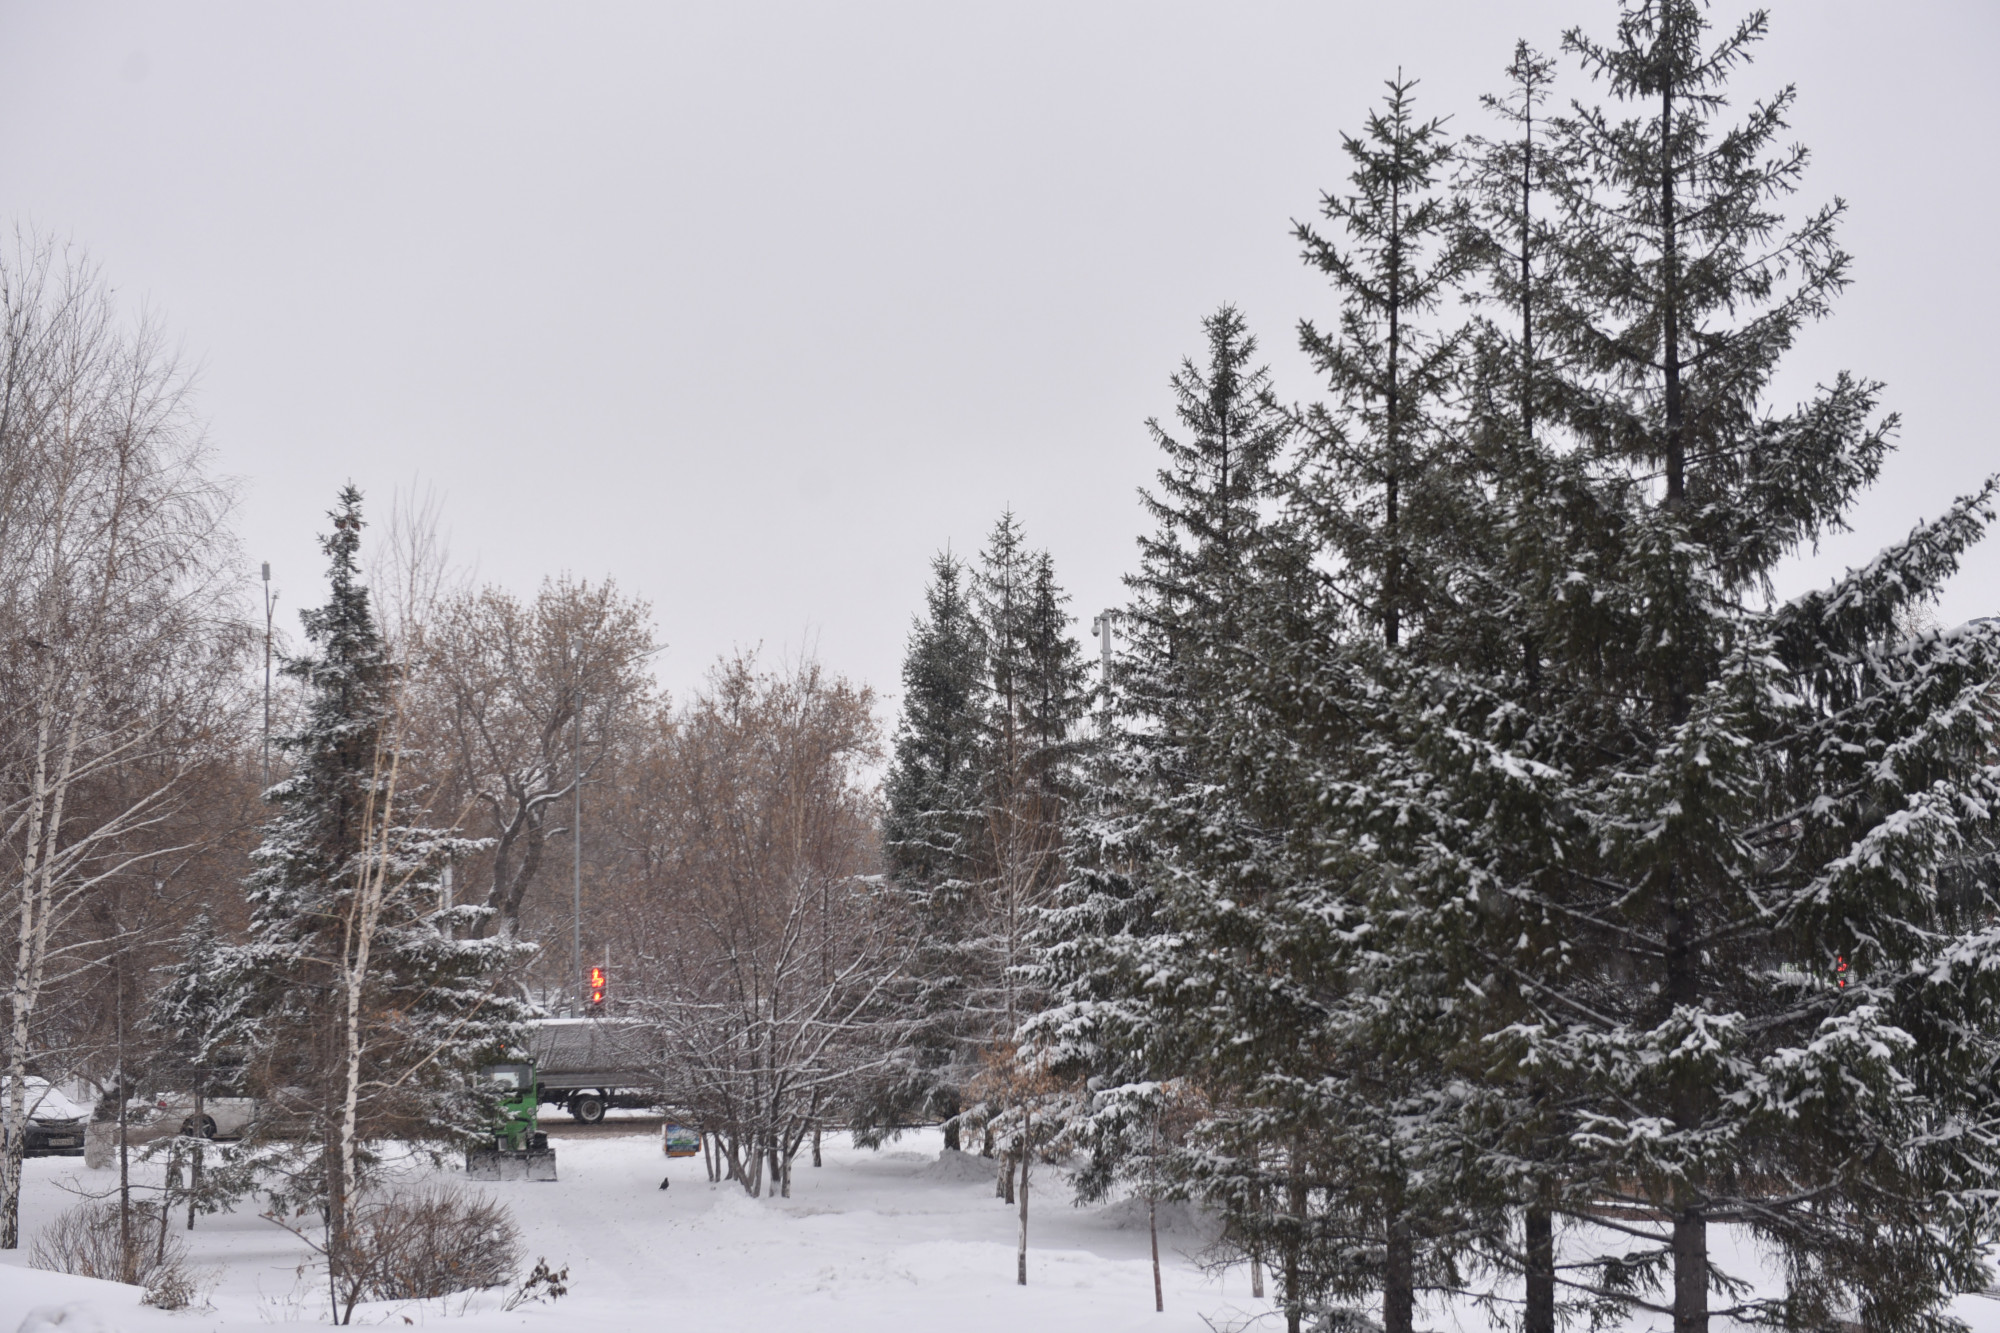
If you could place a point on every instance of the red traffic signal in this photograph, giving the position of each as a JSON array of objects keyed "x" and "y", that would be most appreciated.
[{"x": 597, "y": 987}]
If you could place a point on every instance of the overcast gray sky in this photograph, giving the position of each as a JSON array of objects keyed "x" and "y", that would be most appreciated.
[{"x": 755, "y": 306}]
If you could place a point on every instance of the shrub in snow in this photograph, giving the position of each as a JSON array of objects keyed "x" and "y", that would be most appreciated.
[
  {"x": 88, "y": 1241},
  {"x": 433, "y": 1240}
]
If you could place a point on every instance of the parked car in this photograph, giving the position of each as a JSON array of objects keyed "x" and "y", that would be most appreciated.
[
  {"x": 55, "y": 1123},
  {"x": 219, "y": 1117}
]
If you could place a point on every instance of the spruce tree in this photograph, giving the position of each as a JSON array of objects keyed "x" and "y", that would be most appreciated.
[
  {"x": 978, "y": 791},
  {"x": 1389, "y": 495},
  {"x": 1034, "y": 700},
  {"x": 197, "y": 1018},
  {"x": 1182, "y": 636},
  {"x": 1380, "y": 446},
  {"x": 1160, "y": 949},
  {"x": 928, "y": 791},
  {"x": 1500, "y": 841},
  {"x": 1055, "y": 697},
  {"x": 1709, "y": 849},
  {"x": 1034, "y": 697},
  {"x": 1508, "y": 181},
  {"x": 931, "y": 836},
  {"x": 363, "y": 1016}
]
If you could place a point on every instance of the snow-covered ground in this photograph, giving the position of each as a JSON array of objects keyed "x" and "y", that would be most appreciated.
[
  {"x": 900, "y": 1239},
  {"x": 896, "y": 1241}
]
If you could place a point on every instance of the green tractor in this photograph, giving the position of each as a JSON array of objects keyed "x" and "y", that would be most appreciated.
[{"x": 520, "y": 1151}]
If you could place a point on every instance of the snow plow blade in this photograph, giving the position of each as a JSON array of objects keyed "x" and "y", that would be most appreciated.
[{"x": 510, "y": 1164}]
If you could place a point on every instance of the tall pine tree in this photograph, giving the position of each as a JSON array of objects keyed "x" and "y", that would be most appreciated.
[
  {"x": 1381, "y": 446},
  {"x": 978, "y": 792},
  {"x": 931, "y": 840},
  {"x": 1179, "y": 945},
  {"x": 1699, "y": 841},
  {"x": 363, "y": 1016}
]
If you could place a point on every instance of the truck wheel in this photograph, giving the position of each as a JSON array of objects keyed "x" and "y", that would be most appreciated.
[
  {"x": 198, "y": 1127},
  {"x": 587, "y": 1109}
]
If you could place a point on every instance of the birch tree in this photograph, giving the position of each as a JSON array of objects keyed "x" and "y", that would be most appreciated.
[{"x": 117, "y": 636}]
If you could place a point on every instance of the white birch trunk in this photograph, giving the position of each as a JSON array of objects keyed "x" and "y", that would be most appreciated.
[
  {"x": 364, "y": 916},
  {"x": 35, "y": 902},
  {"x": 1021, "y": 1257}
]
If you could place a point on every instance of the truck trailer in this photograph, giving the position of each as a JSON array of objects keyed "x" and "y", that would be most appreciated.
[{"x": 588, "y": 1065}]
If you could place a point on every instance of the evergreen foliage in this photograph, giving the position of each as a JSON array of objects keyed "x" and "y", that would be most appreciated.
[
  {"x": 1475, "y": 830},
  {"x": 1381, "y": 449},
  {"x": 196, "y": 1019},
  {"x": 931, "y": 840},
  {"x": 977, "y": 794},
  {"x": 1168, "y": 950},
  {"x": 1035, "y": 700},
  {"x": 1713, "y": 800},
  {"x": 928, "y": 793},
  {"x": 426, "y": 1013},
  {"x": 197, "y": 1010}
]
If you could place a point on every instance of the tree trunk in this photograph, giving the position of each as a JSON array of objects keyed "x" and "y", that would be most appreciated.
[
  {"x": 125, "y": 1255},
  {"x": 194, "y": 1174},
  {"x": 1690, "y": 1272},
  {"x": 173, "y": 1183},
  {"x": 32, "y": 917},
  {"x": 356, "y": 950},
  {"x": 1670, "y": 299},
  {"x": 1540, "y": 1314},
  {"x": 1256, "y": 1248},
  {"x": 1021, "y": 1257},
  {"x": 1293, "y": 1296},
  {"x": 1152, "y": 1215},
  {"x": 1153, "y": 1237},
  {"x": 1399, "y": 1298}
]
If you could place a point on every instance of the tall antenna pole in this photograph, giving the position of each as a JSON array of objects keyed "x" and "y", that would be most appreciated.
[
  {"x": 267, "y": 675},
  {"x": 1100, "y": 625},
  {"x": 576, "y": 851}
]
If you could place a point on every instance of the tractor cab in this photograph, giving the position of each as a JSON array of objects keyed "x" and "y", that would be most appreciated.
[{"x": 519, "y": 1150}]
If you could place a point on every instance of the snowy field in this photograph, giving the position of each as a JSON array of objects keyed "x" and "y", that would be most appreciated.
[
  {"x": 891, "y": 1240},
  {"x": 895, "y": 1241}
]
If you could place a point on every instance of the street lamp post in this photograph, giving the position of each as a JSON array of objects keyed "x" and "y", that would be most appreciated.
[
  {"x": 269, "y": 605},
  {"x": 576, "y": 849}
]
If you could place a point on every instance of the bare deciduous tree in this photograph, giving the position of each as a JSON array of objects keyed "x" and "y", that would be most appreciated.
[
  {"x": 501, "y": 684},
  {"x": 768, "y": 937},
  {"x": 118, "y": 641}
]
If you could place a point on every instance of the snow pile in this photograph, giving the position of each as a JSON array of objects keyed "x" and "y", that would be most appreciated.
[
  {"x": 32, "y": 1301},
  {"x": 1190, "y": 1224},
  {"x": 955, "y": 1167},
  {"x": 77, "y": 1317}
]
